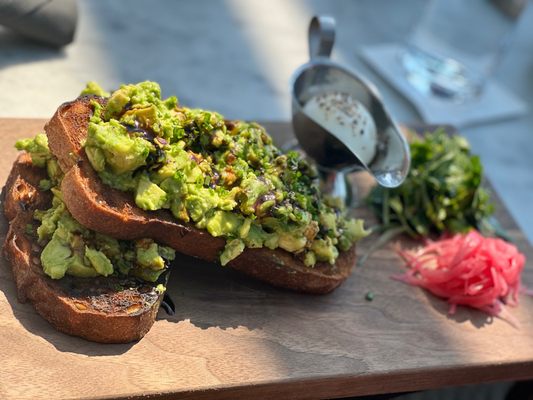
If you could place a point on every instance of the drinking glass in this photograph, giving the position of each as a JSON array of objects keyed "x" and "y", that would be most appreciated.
[{"x": 457, "y": 44}]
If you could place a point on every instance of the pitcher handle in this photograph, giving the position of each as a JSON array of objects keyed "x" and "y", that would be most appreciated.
[{"x": 321, "y": 36}]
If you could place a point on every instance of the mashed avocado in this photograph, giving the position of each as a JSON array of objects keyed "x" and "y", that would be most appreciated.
[
  {"x": 94, "y": 89},
  {"x": 73, "y": 249},
  {"x": 41, "y": 157},
  {"x": 223, "y": 176},
  {"x": 70, "y": 248}
]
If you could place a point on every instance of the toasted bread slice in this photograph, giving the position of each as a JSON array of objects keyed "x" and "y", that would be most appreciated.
[
  {"x": 106, "y": 310},
  {"x": 113, "y": 212}
]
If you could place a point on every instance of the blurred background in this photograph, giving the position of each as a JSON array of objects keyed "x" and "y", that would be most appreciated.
[{"x": 237, "y": 57}]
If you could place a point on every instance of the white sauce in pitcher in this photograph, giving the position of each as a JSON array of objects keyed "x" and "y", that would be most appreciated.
[{"x": 347, "y": 119}]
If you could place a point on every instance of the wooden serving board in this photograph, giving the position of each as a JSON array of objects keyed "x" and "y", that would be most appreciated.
[{"x": 234, "y": 338}]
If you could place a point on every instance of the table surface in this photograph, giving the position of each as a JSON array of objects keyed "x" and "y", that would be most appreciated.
[{"x": 236, "y": 338}]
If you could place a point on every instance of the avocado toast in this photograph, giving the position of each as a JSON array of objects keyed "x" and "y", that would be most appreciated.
[
  {"x": 139, "y": 166},
  {"x": 116, "y": 308},
  {"x": 120, "y": 181}
]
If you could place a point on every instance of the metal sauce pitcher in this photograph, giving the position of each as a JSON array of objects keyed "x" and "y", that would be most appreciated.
[{"x": 321, "y": 75}]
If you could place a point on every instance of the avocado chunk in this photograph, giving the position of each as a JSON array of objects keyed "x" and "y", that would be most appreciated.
[
  {"x": 253, "y": 189},
  {"x": 255, "y": 236},
  {"x": 49, "y": 219},
  {"x": 224, "y": 223},
  {"x": 329, "y": 221},
  {"x": 232, "y": 250},
  {"x": 291, "y": 242},
  {"x": 116, "y": 103},
  {"x": 96, "y": 157},
  {"x": 121, "y": 152},
  {"x": 148, "y": 255},
  {"x": 55, "y": 258},
  {"x": 147, "y": 274},
  {"x": 355, "y": 230},
  {"x": 149, "y": 196},
  {"x": 54, "y": 171},
  {"x": 37, "y": 148},
  {"x": 99, "y": 261},
  {"x": 324, "y": 250},
  {"x": 80, "y": 268},
  {"x": 198, "y": 205},
  {"x": 93, "y": 88}
]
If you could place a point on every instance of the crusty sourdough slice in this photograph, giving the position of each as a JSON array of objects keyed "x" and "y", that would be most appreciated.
[
  {"x": 106, "y": 310},
  {"x": 110, "y": 211}
]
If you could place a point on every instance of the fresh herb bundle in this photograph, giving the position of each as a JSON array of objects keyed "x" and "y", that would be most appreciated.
[{"x": 441, "y": 194}]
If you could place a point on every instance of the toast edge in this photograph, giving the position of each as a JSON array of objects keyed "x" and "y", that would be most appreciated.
[{"x": 33, "y": 286}]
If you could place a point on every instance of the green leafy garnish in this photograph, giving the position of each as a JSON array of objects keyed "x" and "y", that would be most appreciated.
[{"x": 442, "y": 192}]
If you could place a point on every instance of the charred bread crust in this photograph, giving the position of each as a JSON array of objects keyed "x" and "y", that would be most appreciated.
[
  {"x": 112, "y": 212},
  {"x": 106, "y": 310}
]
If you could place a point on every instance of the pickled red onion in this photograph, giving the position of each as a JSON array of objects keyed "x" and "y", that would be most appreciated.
[{"x": 467, "y": 269}]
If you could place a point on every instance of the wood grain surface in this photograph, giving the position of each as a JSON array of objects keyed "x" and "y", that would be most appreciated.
[{"x": 234, "y": 338}]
